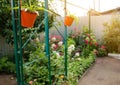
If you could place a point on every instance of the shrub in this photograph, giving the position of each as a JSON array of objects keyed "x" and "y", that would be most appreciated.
[
  {"x": 112, "y": 35},
  {"x": 6, "y": 65},
  {"x": 36, "y": 69}
]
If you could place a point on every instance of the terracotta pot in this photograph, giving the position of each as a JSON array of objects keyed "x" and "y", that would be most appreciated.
[
  {"x": 28, "y": 18},
  {"x": 68, "y": 20}
]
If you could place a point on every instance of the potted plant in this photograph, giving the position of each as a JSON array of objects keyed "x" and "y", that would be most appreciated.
[
  {"x": 69, "y": 20},
  {"x": 29, "y": 12}
]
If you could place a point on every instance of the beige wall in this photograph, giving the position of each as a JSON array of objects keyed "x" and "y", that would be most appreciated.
[{"x": 96, "y": 24}]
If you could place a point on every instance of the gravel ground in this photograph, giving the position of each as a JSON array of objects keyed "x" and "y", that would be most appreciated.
[{"x": 105, "y": 71}]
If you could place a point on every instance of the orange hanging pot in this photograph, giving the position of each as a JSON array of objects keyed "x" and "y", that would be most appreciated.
[
  {"x": 68, "y": 21},
  {"x": 28, "y": 18}
]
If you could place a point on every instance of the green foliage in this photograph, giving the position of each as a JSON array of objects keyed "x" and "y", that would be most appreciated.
[
  {"x": 88, "y": 41},
  {"x": 5, "y": 22},
  {"x": 112, "y": 35},
  {"x": 101, "y": 52},
  {"x": 78, "y": 67},
  {"x": 6, "y": 26},
  {"x": 70, "y": 42},
  {"x": 85, "y": 42},
  {"x": 30, "y": 5},
  {"x": 36, "y": 68},
  {"x": 75, "y": 35},
  {"x": 6, "y": 65}
]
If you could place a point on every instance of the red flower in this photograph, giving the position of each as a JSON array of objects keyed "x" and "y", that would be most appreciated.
[
  {"x": 58, "y": 37},
  {"x": 86, "y": 41},
  {"x": 90, "y": 43},
  {"x": 54, "y": 46},
  {"x": 95, "y": 43},
  {"x": 103, "y": 47}
]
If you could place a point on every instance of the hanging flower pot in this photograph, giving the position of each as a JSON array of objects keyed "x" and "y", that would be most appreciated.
[
  {"x": 28, "y": 18},
  {"x": 68, "y": 20}
]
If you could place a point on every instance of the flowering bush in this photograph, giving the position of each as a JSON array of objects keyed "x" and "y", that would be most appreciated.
[
  {"x": 80, "y": 57},
  {"x": 101, "y": 51},
  {"x": 87, "y": 43},
  {"x": 56, "y": 43}
]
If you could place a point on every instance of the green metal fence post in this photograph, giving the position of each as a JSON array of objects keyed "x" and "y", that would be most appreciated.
[
  {"x": 20, "y": 44},
  {"x": 47, "y": 41},
  {"x": 15, "y": 43},
  {"x": 65, "y": 57}
]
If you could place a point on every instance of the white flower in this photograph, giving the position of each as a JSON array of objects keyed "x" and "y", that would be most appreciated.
[
  {"x": 53, "y": 45},
  {"x": 53, "y": 39},
  {"x": 79, "y": 58},
  {"x": 60, "y": 43},
  {"x": 77, "y": 54},
  {"x": 69, "y": 50},
  {"x": 72, "y": 47},
  {"x": 72, "y": 58},
  {"x": 54, "y": 51},
  {"x": 35, "y": 80},
  {"x": 58, "y": 55}
]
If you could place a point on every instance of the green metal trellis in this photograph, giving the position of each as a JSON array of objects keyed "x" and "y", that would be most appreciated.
[
  {"x": 17, "y": 42},
  {"x": 16, "y": 21}
]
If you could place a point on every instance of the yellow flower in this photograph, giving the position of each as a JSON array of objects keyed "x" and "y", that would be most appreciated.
[{"x": 62, "y": 76}]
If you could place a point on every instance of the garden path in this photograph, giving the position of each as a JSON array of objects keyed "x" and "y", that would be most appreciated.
[
  {"x": 7, "y": 79},
  {"x": 105, "y": 71}
]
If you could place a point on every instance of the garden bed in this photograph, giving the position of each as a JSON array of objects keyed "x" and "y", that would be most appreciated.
[{"x": 87, "y": 71}]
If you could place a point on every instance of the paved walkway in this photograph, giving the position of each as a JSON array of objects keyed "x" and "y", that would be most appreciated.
[{"x": 106, "y": 71}]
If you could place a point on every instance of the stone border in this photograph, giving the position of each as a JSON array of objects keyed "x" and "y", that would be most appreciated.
[
  {"x": 117, "y": 56},
  {"x": 87, "y": 71}
]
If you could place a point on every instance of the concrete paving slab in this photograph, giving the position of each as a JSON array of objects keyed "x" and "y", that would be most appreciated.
[{"x": 105, "y": 71}]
